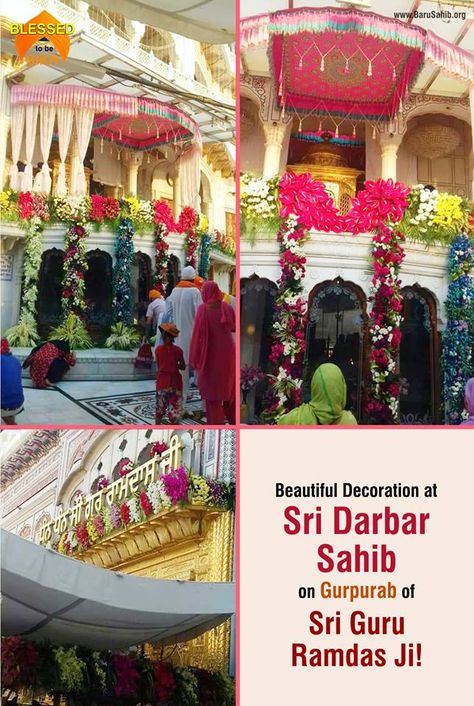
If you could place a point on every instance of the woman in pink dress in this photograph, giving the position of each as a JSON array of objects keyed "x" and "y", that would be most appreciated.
[{"x": 212, "y": 355}]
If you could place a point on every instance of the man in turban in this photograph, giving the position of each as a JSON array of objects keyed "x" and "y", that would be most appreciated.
[
  {"x": 155, "y": 312},
  {"x": 182, "y": 306}
]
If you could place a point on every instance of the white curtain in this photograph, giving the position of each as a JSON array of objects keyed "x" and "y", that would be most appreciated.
[
  {"x": 190, "y": 177},
  {"x": 42, "y": 181},
  {"x": 84, "y": 119},
  {"x": 65, "y": 120},
  {"x": 16, "y": 131},
  {"x": 31, "y": 116}
]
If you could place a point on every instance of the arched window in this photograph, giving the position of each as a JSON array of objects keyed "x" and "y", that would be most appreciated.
[
  {"x": 419, "y": 358},
  {"x": 98, "y": 293},
  {"x": 141, "y": 285},
  {"x": 50, "y": 290},
  {"x": 337, "y": 333}
]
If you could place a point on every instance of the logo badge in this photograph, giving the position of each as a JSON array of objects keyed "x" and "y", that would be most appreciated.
[{"x": 45, "y": 33}]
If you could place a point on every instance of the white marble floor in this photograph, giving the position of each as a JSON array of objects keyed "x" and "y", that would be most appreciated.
[{"x": 63, "y": 404}]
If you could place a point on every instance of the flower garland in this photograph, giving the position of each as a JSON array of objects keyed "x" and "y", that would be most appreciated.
[
  {"x": 164, "y": 223},
  {"x": 187, "y": 223},
  {"x": 258, "y": 204},
  {"x": 104, "y": 676},
  {"x": 176, "y": 488},
  {"x": 75, "y": 266},
  {"x": 385, "y": 334},
  {"x": 122, "y": 277},
  {"x": 458, "y": 336},
  {"x": 434, "y": 217},
  {"x": 33, "y": 211},
  {"x": 206, "y": 245},
  {"x": 305, "y": 205},
  {"x": 103, "y": 208}
]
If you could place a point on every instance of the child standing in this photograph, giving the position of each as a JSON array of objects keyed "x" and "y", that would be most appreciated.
[
  {"x": 12, "y": 389},
  {"x": 169, "y": 383}
]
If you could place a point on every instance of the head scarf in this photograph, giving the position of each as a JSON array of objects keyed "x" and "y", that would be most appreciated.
[
  {"x": 154, "y": 294},
  {"x": 469, "y": 399},
  {"x": 211, "y": 296},
  {"x": 188, "y": 273},
  {"x": 328, "y": 399},
  {"x": 5, "y": 346}
]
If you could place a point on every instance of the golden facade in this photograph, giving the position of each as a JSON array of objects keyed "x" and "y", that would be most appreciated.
[{"x": 193, "y": 543}]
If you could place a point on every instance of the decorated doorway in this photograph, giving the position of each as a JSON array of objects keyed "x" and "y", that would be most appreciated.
[
  {"x": 98, "y": 294},
  {"x": 257, "y": 308},
  {"x": 419, "y": 358},
  {"x": 49, "y": 291},
  {"x": 337, "y": 333},
  {"x": 174, "y": 274}
]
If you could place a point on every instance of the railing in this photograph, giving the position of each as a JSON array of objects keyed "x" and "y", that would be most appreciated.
[{"x": 123, "y": 47}]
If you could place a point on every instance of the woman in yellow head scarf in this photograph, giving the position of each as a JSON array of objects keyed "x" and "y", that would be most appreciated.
[{"x": 328, "y": 399}]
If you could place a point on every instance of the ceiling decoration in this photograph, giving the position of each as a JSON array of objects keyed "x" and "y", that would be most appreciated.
[{"x": 349, "y": 64}]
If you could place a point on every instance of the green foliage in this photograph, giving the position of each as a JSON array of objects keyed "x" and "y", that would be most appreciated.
[
  {"x": 72, "y": 670},
  {"x": 24, "y": 334},
  {"x": 225, "y": 688},
  {"x": 186, "y": 688},
  {"x": 122, "y": 337},
  {"x": 74, "y": 332}
]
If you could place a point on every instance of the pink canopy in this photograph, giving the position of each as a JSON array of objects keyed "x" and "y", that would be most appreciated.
[
  {"x": 133, "y": 121},
  {"x": 348, "y": 63}
]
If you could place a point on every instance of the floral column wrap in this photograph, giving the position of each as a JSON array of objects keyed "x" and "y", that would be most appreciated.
[{"x": 458, "y": 336}]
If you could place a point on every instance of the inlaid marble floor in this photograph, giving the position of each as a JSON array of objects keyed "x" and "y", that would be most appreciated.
[{"x": 98, "y": 403}]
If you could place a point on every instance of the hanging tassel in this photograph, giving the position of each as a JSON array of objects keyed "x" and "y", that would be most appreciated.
[
  {"x": 354, "y": 131},
  {"x": 336, "y": 133},
  {"x": 400, "y": 108},
  {"x": 102, "y": 145},
  {"x": 346, "y": 67},
  {"x": 374, "y": 134},
  {"x": 369, "y": 69},
  {"x": 320, "y": 128},
  {"x": 300, "y": 64},
  {"x": 321, "y": 66},
  {"x": 120, "y": 134},
  {"x": 394, "y": 73},
  {"x": 148, "y": 160},
  {"x": 300, "y": 128}
]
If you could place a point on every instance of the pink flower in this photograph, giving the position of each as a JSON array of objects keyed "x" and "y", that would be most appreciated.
[{"x": 163, "y": 214}]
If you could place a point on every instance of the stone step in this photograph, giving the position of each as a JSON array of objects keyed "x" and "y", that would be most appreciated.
[{"x": 99, "y": 364}]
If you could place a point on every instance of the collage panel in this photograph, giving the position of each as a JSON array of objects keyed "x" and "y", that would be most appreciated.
[
  {"x": 118, "y": 214},
  {"x": 356, "y": 250}
]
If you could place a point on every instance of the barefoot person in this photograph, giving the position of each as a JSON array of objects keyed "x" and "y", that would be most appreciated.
[
  {"x": 11, "y": 387},
  {"x": 328, "y": 399},
  {"x": 49, "y": 362},
  {"x": 182, "y": 305},
  {"x": 169, "y": 383},
  {"x": 212, "y": 354}
]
